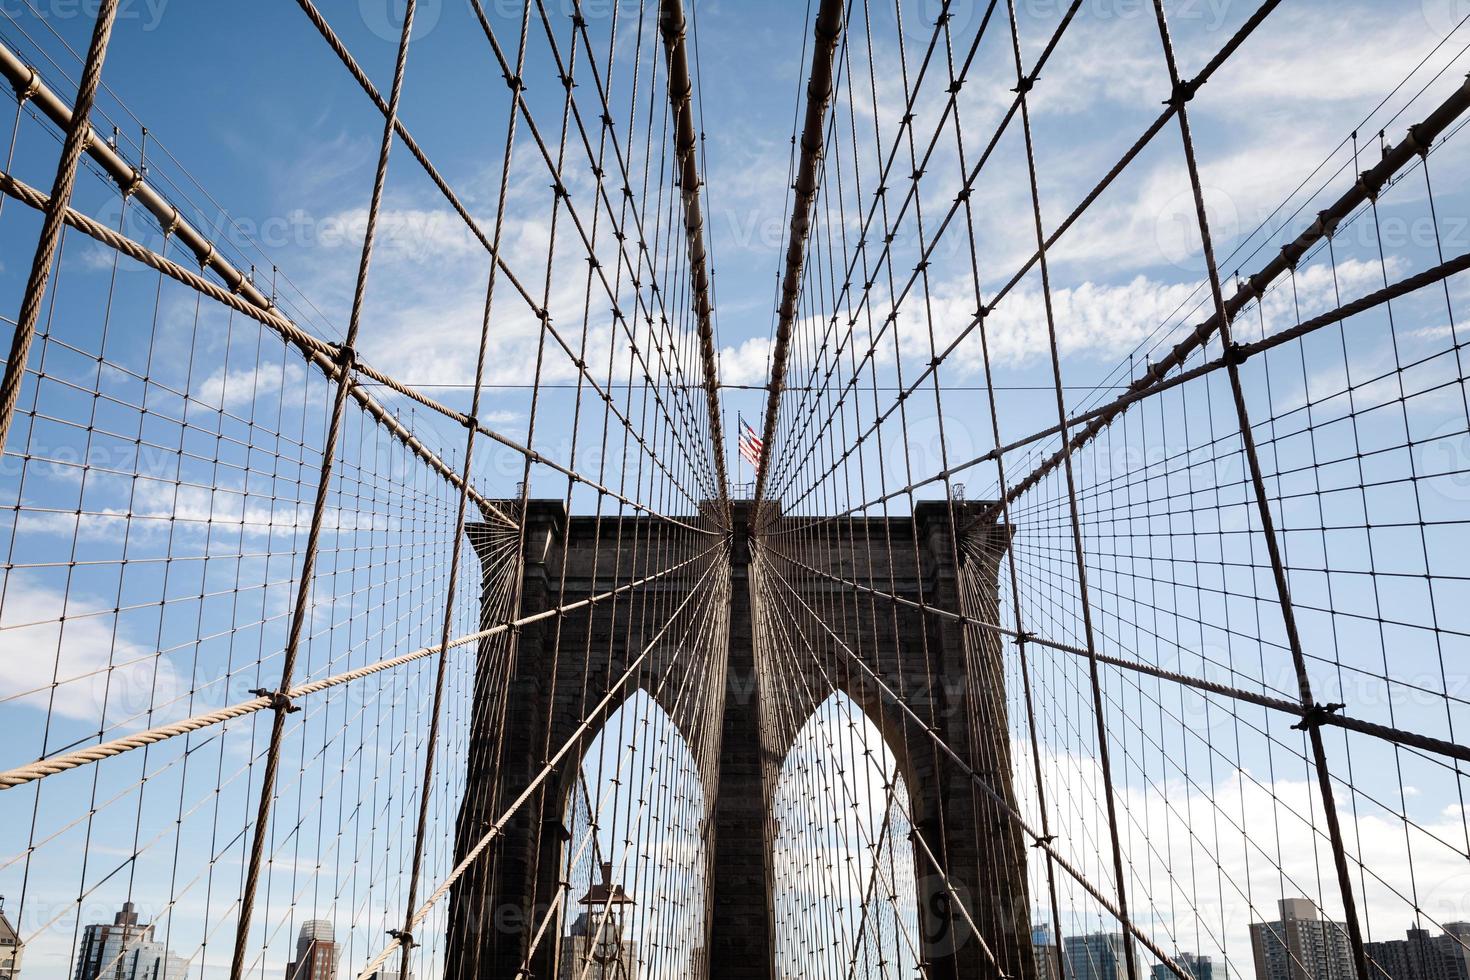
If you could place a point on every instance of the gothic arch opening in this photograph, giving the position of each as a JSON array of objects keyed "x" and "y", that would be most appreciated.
[
  {"x": 844, "y": 894},
  {"x": 633, "y": 853}
]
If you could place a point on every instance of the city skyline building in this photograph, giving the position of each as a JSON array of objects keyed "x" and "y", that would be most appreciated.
[
  {"x": 1301, "y": 945},
  {"x": 1048, "y": 965},
  {"x": 126, "y": 949},
  {"x": 1198, "y": 967},
  {"x": 11, "y": 947},
  {"x": 1422, "y": 956},
  {"x": 316, "y": 952},
  {"x": 1096, "y": 956}
]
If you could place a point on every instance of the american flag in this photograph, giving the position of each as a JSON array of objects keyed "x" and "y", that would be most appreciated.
[{"x": 750, "y": 443}]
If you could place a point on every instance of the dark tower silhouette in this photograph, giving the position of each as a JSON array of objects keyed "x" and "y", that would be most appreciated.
[{"x": 499, "y": 902}]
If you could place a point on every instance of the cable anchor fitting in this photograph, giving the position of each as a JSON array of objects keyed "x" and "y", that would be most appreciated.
[
  {"x": 1184, "y": 92},
  {"x": 344, "y": 356},
  {"x": 31, "y": 87},
  {"x": 1316, "y": 716},
  {"x": 278, "y": 700}
]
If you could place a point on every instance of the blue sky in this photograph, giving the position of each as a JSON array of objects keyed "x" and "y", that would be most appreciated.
[{"x": 270, "y": 147}]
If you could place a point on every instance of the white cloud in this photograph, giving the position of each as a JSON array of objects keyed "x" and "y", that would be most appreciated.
[
  {"x": 84, "y": 668},
  {"x": 242, "y": 386},
  {"x": 746, "y": 363}
]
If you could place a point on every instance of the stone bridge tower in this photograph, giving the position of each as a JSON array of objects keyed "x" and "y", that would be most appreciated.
[{"x": 497, "y": 906}]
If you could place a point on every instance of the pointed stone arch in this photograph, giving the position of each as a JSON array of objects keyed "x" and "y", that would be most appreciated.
[
  {"x": 498, "y": 903},
  {"x": 840, "y": 816},
  {"x": 648, "y": 789}
]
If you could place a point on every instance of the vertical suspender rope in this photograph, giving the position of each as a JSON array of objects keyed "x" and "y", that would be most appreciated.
[
  {"x": 1311, "y": 710},
  {"x": 280, "y": 698}
]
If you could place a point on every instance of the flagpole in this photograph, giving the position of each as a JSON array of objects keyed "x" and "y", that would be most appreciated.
[{"x": 740, "y": 438}]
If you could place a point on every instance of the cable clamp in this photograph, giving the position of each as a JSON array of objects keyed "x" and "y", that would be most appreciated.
[
  {"x": 472, "y": 423},
  {"x": 31, "y": 87},
  {"x": 1046, "y": 841},
  {"x": 1184, "y": 92},
  {"x": 1417, "y": 141},
  {"x": 1255, "y": 285},
  {"x": 1316, "y": 716},
  {"x": 1291, "y": 254},
  {"x": 1326, "y": 224},
  {"x": 279, "y": 701},
  {"x": 404, "y": 937},
  {"x": 1235, "y": 354},
  {"x": 345, "y": 356},
  {"x": 1025, "y": 85},
  {"x": 1370, "y": 185}
]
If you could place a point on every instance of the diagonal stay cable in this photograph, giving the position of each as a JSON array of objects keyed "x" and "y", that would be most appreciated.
[
  {"x": 980, "y": 783},
  {"x": 322, "y": 355},
  {"x": 1241, "y": 351},
  {"x": 51, "y": 765},
  {"x": 1418, "y": 142},
  {"x": 79, "y": 135},
  {"x": 963, "y": 196},
  {"x": 1413, "y": 739},
  {"x": 354, "y": 69},
  {"x": 242, "y": 294},
  {"x": 584, "y": 727}
]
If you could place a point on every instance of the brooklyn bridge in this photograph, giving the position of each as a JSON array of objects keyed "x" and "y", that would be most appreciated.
[{"x": 679, "y": 489}]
